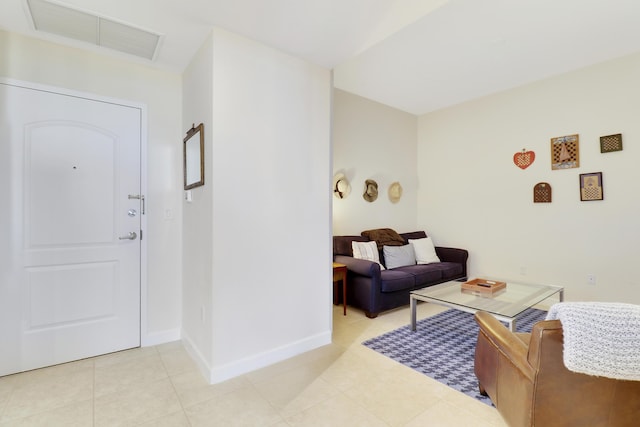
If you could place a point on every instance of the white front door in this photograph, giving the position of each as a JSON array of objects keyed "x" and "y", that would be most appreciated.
[{"x": 69, "y": 227}]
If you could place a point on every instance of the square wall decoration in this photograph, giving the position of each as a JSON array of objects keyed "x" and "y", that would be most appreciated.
[
  {"x": 591, "y": 186},
  {"x": 611, "y": 143},
  {"x": 565, "y": 152}
]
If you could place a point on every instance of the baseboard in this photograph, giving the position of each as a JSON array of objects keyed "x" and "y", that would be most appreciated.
[
  {"x": 251, "y": 363},
  {"x": 227, "y": 371},
  {"x": 198, "y": 358},
  {"x": 155, "y": 338}
]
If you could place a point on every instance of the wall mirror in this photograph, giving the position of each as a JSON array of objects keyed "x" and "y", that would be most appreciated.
[{"x": 194, "y": 157}]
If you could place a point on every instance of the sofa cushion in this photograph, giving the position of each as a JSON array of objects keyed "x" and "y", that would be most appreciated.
[
  {"x": 398, "y": 256},
  {"x": 450, "y": 270},
  {"x": 425, "y": 251},
  {"x": 397, "y": 280},
  {"x": 366, "y": 250},
  {"x": 425, "y": 274},
  {"x": 384, "y": 237}
]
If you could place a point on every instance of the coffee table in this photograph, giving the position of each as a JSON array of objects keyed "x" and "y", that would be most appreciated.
[{"x": 506, "y": 305}]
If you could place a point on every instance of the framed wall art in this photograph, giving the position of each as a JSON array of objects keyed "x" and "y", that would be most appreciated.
[
  {"x": 611, "y": 143},
  {"x": 565, "y": 152},
  {"x": 591, "y": 186},
  {"x": 194, "y": 157}
]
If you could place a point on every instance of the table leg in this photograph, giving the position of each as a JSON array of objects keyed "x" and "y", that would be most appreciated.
[
  {"x": 344, "y": 294},
  {"x": 412, "y": 305}
]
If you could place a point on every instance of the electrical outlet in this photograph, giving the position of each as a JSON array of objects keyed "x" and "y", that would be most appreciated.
[{"x": 591, "y": 279}]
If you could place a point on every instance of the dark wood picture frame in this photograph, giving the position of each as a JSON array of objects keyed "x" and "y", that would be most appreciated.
[
  {"x": 194, "y": 157},
  {"x": 591, "y": 186}
]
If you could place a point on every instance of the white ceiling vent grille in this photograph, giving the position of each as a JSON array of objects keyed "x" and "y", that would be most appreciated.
[{"x": 63, "y": 21}]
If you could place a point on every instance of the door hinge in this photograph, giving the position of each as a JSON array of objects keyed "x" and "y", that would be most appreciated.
[{"x": 140, "y": 234}]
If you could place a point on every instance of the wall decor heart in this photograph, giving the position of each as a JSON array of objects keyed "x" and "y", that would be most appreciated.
[{"x": 524, "y": 159}]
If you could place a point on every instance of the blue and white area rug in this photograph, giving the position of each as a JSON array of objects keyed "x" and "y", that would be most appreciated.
[{"x": 443, "y": 347}]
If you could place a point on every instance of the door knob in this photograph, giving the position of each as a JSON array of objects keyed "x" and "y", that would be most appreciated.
[{"x": 132, "y": 236}]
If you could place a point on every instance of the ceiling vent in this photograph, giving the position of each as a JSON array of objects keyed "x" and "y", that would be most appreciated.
[{"x": 75, "y": 24}]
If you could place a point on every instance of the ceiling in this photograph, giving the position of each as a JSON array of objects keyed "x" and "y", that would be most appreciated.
[{"x": 414, "y": 55}]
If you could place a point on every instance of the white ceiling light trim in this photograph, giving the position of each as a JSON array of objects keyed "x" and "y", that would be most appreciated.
[{"x": 64, "y": 21}]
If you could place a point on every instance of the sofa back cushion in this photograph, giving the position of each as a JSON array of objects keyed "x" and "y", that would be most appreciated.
[
  {"x": 413, "y": 235},
  {"x": 342, "y": 244}
]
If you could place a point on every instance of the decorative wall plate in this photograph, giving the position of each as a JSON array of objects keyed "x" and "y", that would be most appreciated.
[{"x": 524, "y": 159}]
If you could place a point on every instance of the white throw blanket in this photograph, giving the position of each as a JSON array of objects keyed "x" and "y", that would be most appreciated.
[{"x": 601, "y": 339}]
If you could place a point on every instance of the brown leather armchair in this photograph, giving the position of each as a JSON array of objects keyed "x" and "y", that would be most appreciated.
[{"x": 526, "y": 379}]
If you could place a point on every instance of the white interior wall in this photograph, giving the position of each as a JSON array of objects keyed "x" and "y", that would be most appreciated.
[
  {"x": 50, "y": 64},
  {"x": 268, "y": 174},
  {"x": 472, "y": 195},
  {"x": 373, "y": 141},
  {"x": 197, "y": 224}
]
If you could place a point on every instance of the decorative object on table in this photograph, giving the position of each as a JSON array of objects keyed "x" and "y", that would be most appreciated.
[
  {"x": 565, "y": 152},
  {"x": 395, "y": 192},
  {"x": 370, "y": 190},
  {"x": 341, "y": 186},
  {"x": 524, "y": 159},
  {"x": 591, "y": 186},
  {"x": 542, "y": 193},
  {"x": 611, "y": 143},
  {"x": 443, "y": 346},
  {"x": 483, "y": 285},
  {"x": 194, "y": 157}
]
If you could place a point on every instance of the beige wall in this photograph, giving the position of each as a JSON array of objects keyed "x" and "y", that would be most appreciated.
[
  {"x": 373, "y": 141},
  {"x": 472, "y": 195},
  {"x": 46, "y": 63}
]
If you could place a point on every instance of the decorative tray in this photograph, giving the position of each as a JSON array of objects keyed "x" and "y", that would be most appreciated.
[{"x": 483, "y": 285}]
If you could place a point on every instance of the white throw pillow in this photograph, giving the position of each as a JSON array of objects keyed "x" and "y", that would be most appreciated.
[
  {"x": 366, "y": 250},
  {"x": 425, "y": 251},
  {"x": 399, "y": 256}
]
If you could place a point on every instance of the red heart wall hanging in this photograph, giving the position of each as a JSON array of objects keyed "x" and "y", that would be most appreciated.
[{"x": 524, "y": 159}]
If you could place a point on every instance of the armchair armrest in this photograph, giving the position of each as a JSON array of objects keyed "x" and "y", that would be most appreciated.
[
  {"x": 512, "y": 348},
  {"x": 359, "y": 266}
]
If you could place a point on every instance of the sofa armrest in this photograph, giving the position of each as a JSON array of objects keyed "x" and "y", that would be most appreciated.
[
  {"x": 452, "y": 254},
  {"x": 359, "y": 266}
]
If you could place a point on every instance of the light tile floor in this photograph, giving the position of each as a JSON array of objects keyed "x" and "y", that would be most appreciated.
[{"x": 342, "y": 384}]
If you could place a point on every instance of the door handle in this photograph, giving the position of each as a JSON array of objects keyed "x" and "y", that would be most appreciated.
[{"x": 132, "y": 236}]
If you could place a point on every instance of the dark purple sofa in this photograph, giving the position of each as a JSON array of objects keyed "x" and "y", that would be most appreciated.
[{"x": 375, "y": 291}]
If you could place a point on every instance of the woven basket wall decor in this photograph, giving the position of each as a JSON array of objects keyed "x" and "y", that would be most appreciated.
[{"x": 542, "y": 193}]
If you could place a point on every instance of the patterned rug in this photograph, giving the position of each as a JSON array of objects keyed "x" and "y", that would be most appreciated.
[{"x": 443, "y": 347}]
